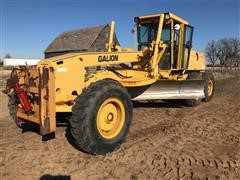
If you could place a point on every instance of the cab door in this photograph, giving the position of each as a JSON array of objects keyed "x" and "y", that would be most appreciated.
[{"x": 186, "y": 46}]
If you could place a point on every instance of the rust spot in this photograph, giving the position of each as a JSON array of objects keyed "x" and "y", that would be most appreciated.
[
  {"x": 51, "y": 69},
  {"x": 46, "y": 129},
  {"x": 45, "y": 77},
  {"x": 46, "y": 97}
]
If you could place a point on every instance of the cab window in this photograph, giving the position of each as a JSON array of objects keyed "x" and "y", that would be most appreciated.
[
  {"x": 166, "y": 33},
  {"x": 147, "y": 32},
  {"x": 187, "y": 45}
]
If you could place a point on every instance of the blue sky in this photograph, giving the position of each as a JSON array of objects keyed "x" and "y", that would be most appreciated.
[{"x": 28, "y": 26}]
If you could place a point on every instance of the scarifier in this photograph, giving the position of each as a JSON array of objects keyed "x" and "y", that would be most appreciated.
[{"x": 164, "y": 67}]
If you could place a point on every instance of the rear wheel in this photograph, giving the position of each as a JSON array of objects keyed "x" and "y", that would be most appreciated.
[
  {"x": 101, "y": 117},
  {"x": 209, "y": 86},
  {"x": 12, "y": 108}
]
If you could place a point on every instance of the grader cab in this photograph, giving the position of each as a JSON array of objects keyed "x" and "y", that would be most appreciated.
[{"x": 98, "y": 87}]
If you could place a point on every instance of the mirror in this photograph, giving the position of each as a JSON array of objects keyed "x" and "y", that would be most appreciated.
[
  {"x": 134, "y": 29},
  {"x": 177, "y": 27}
]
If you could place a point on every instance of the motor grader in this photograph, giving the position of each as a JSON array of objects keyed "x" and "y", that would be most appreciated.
[{"x": 164, "y": 67}]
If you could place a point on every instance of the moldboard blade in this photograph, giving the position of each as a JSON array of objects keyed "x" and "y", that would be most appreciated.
[{"x": 169, "y": 89}]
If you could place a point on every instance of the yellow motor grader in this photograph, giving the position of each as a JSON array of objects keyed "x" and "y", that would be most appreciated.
[{"x": 100, "y": 101}]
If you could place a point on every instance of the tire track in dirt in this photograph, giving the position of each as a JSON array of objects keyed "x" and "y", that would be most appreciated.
[
  {"x": 187, "y": 166},
  {"x": 158, "y": 161}
]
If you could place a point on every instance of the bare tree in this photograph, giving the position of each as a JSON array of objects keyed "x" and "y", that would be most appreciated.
[
  {"x": 235, "y": 44},
  {"x": 226, "y": 52},
  {"x": 211, "y": 53},
  {"x": 221, "y": 53}
]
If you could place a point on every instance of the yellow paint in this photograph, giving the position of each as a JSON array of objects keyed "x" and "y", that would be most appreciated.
[
  {"x": 47, "y": 100},
  {"x": 22, "y": 115},
  {"x": 110, "y": 118},
  {"x": 171, "y": 15},
  {"x": 156, "y": 47},
  {"x": 110, "y": 43},
  {"x": 196, "y": 61},
  {"x": 180, "y": 48},
  {"x": 210, "y": 88}
]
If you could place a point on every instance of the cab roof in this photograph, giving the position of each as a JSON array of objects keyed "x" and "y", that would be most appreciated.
[{"x": 171, "y": 15}]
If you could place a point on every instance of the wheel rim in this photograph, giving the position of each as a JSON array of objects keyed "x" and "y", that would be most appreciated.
[
  {"x": 210, "y": 87},
  {"x": 110, "y": 118}
]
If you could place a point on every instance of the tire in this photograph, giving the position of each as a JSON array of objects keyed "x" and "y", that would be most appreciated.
[
  {"x": 13, "y": 110},
  {"x": 209, "y": 86},
  {"x": 12, "y": 106},
  {"x": 192, "y": 102},
  {"x": 89, "y": 111}
]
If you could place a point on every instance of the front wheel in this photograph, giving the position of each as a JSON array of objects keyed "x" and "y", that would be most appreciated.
[
  {"x": 101, "y": 117},
  {"x": 209, "y": 86}
]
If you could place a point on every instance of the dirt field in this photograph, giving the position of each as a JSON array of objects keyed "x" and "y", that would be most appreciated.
[{"x": 165, "y": 142}]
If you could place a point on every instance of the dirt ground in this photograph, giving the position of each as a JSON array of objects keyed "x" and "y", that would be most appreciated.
[{"x": 166, "y": 141}]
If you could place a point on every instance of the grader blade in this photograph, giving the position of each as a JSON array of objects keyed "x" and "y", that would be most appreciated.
[{"x": 164, "y": 89}]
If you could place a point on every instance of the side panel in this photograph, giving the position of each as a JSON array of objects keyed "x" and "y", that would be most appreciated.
[
  {"x": 47, "y": 100},
  {"x": 196, "y": 61}
]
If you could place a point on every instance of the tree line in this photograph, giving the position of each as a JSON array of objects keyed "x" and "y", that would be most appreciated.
[{"x": 225, "y": 53}]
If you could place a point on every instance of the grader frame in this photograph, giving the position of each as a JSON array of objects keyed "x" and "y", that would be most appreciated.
[{"x": 55, "y": 83}]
